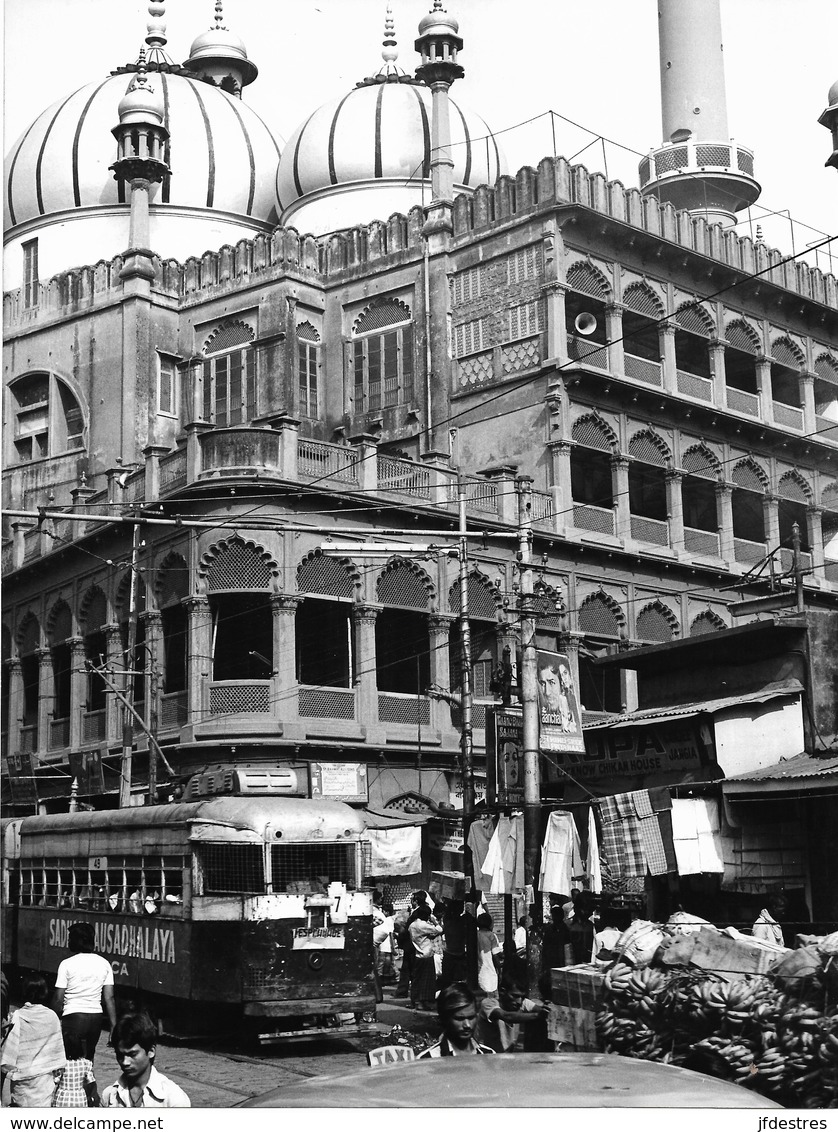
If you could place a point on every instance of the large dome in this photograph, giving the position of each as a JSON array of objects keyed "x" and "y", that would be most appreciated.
[
  {"x": 367, "y": 155},
  {"x": 222, "y": 156}
]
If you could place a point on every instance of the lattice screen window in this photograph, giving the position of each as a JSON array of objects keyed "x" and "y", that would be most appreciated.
[
  {"x": 655, "y": 624},
  {"x": 232, "y": 868},
  {"x": 524, "y": 264},
  {"x": 382, "y": 358},
  {"x": 829, "y": 497},
  {"x": 700, "y": 462},
  {"x": 827, "y": 367},
  {"x": 61, "y": 623},
  {"x": 641, "y": 300},
  {"x": 238, "y": 567},
  {"x": 746, "y": 475},
  {"x": 524, "y": 320},
  {"x": 742, "y": 337},
  {"x": 786, "y": 353},
  {"x": 582, "y": 277},
  {"x": 466, "y": 285},
  {"x": 230, "y": 375},
  {"x": 597, "y": 617},
  {"x": 321, "y": 575},
  {"x": 172, "y": 582},
  {"x": 790, "y": 487},
  {"x": 469, "y": 337},
  {"x": 402, "y": 587},
  {"x": 593, "y": 433},
  {"x": 482, "y": 598},
  {"x": 706, "y": 623},
  {"x": 695, "y": 319},
  {"x": 646, "y": 448}
]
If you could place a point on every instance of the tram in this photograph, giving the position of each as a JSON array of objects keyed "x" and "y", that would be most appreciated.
[{"x": 247, "y": 907}]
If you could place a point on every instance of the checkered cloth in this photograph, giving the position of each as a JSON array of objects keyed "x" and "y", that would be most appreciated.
[
  {"x": 621, "y": 843},
  {"x": 71, "y": 1092},
  {"x": 650, "y": 832}
]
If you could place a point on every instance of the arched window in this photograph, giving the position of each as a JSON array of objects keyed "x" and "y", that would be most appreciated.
[
  {"x": 829, "y": 524},
  {"x": 137, "y": 662},
  {"x": 238, "y": 578},
  {"x": 60, "y": 629},
  {"x": 826, "y": 393},
  {"x": 29, "y": 641},
  {"x": 4, "y": 694},
  {"x": 707, "y": 622},
  {"x": 308, "y": 369},
  {"x": 786, "y": 365},
  {"x": 94, "y": 616},
  {"x": 747, "y": 503},
  {"x": 656, "y": 623},
  {"x": 172, "y": 588},
  {"x": 794, "y": 495},
  {"x": 47, "y": 418},
  {"x": 585, "y": 314},
  {"x": 698, "y": 489},
  {"x": 647, "y": 487},
  {"x": 230, "y": 375},
  {"x": 382, "y": 351},
  {"x": 693, "y": 331},
  {"x": 483, "y": 606},
  {"x": 642, "y": 316},
  {"x": 740, "y": 363},
  {"x": 402, "y": 637},
  {"x": 590, "y": 468},
  {"x": 602, "y": 621},
  {"x": 324, "y": 631}
]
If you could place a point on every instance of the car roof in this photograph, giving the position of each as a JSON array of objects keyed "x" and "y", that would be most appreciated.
[{"x": 520, "y": 1080}]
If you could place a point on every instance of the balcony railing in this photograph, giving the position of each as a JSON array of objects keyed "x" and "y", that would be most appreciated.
[
  {"x": 694, "y": 385},
  {"x": 786, "y": 559},
  {"x": 787, "y": 415},
  {"x": 590, "y": 353},
  {"x": 397, "y": 707},
  {"x": 827, "y": 425},
  {"x": 29, "y": 738},
  {"x": 173, "y": 470},
  {"x": 93, "y": 726},
  {"x": 701, "y": 542},
  {"x": 403, "y": 477},
  {"x": 655, "y": 531},
  {"x": 587, "y": 517},
  {"x": 173, "y": 709},
  {"x": 541, "y": 507},
  {"x": 59, "y": 734},
  {"x": 237, "y": 451},
  {"x": 742, "y": 402},
  {"x": 748, "y": 552},
  {"x": 642, "y": 369},
  {"x": 228, "y": 697},
  {"x": 326, "y": 703},
  {"x": 316, "y": 460},
  {"x": 830, "y": 571}
]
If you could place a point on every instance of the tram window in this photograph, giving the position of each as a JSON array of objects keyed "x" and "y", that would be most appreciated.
[
  {"x": 27, "y": 894},
  {"x": 232, "y": 868},
  {"x": 171, "y": 879},
  {"x": 310, "y": 868}
]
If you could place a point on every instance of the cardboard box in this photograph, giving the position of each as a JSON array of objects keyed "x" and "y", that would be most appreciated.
[
  {"x": 450, "y": 886},
  {"x": 581, "y": 986},
  {"x": 715, "y": 951},
  {"x": 572, "y": 1027}
]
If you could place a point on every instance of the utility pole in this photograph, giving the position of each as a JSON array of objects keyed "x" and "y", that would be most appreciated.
[
  {"x": 128, "y": 688},
  {"x": 466, "y": 734},
  {"x": 153, "y": 695},
  {"x": 529, "y": 706}
]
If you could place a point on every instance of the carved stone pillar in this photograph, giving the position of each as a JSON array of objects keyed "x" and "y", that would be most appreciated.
[
  {"x": 620, "y": 488},
  {"x": 46, "y": 698},
  {"x": 78, "y": 690},
  {"x": 366, "y": 678},
  {"x": 716, "y": 348},
  {"x": 724, "y": 518},
  {"x": 807, "y": 400},
  {"x": 771, "y": 511},
  {"x": 763, "y": 369},
  {"x": 155, "y": 662},
  {"x": 15, "y": 677},
  {"x": 556, "y": 347},
  {"x": 115, "y": 663},
  {"x": 284, "y": 682},
  {"x": 439, "y": 632},
  {"x": 815, "y": 525},
  {"x": 675, "y": 507},
  {"x": 199, "y": 654},
  {"x": 669, "y": 363},
  {"x": 561, "y": 490},
  {"x": 614, "y": 338}
]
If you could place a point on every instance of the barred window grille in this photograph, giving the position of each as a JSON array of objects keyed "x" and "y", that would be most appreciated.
[
  {"x": 238, "y": 567},
  {"x": 400, "y": 585},
  {"x": 482, "y": 598},
  {"x": 742, "y": 337},
  {"x": 524, "y": 320},
  {"x": 232, "y": 868},
  {"x": 593, "y": 433},
  {"x": 469, "y": 337},
  {"x": 696, "y": 320},
  {"x": 582, "y": 277},
  {"x": 172, "y": 582},
  {"x": 700, "y": 461},
  {"x": 597, "y": 617},
  {"x": 466, "y": 285},
  {"x": 654, "y": 623},
  {"x": 792, "y": 487},
  {"x": 524, "y": 264},
  {"x": 706, "y": 623},
  {"x": 827, "y": 367},
  {"x": 321, "y": 575},
  {"x": 647, "y": 448},
  {"x": 311, "y": 868},
  {"x": 747, "y": 475},
  {"x": 786, "y": 353},
  {"x": 640, "y": 299}
]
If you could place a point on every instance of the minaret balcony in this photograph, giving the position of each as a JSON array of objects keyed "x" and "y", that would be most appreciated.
[{"x": 670, "y": 171}]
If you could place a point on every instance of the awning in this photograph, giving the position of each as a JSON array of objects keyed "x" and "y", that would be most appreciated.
[
  {"x": 802, "y": 774},
  {"x": 700, "y": 707},
  {"x": 374, "y": 818}
]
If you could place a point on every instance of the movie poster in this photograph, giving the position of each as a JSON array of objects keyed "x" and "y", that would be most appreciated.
[{"x": 558, "y": 705}]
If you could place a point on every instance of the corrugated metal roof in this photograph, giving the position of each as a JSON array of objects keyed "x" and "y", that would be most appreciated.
[
  {"x": 683, "y": 711},
  {"x": 797, "y": 767}
]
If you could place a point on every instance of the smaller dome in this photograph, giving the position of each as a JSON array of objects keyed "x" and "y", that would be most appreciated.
[
  {"x": 141, "y": 102},
  {"x": 217, "y": 41},
  {"x": 218, "y": 49},
  {"x": 438, "y": 22},
  {"x": 832, "y": 97}
]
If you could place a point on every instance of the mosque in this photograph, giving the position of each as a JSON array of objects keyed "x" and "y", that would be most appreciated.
[{"x": 234, "y": 364}]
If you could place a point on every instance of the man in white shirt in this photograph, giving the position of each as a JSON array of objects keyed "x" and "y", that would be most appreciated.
[
  {"x": 457, "y": 1009},
  {"x": 500, "y": 1018},
  {"x": 140, "y": 1085}
]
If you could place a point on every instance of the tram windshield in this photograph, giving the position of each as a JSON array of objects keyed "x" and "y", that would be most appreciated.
[{"x": 294, "y": 869}]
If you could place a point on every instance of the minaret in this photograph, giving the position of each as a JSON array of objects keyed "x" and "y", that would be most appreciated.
[
  {"x": 220, "y": 57},
  {"x": 141, "y": 140},
  {"x": 438, "y": 44},
  {"x": 698, "y": 167},
  {"x": 829, "y": 118}
]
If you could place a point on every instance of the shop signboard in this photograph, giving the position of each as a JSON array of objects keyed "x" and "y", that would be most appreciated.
[
  {"x": 86, "y": 769},
  {"x": 455, "y": 789},
  {"x": 344, "y": 782},
  {"x": 505, "y": 755},
  {"x": 625, "y": 751},
  {"x": 560, "y": 720},
  {"x": 21, "y": 767}
]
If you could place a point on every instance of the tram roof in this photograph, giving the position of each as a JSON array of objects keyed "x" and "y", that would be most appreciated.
[{"x": 298, "y": 819}]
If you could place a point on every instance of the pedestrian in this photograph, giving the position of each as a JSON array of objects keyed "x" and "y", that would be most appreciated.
[
  {"x": 520, "y": 937},
  {"x": 768, "y": 924},
  {"x": 382, "y": 938},
  {"x": 582, "y": 929},
  {"x": 489, "y": 955},
  {"x": 454, "y": 926},
  {"x": 77, "y": 1084},
  {"x": 457, "y": 1009},
  {"x": 501, "y": 1017},
  {"x": 84, "y": 989},
  {"x": 556, "y": 949},
  {"x": 140, "y": 1085},
  {"x": 423, "y": 931},
  {"x": 418, "y": 899},
  {"x": 33, "y": 1050}
]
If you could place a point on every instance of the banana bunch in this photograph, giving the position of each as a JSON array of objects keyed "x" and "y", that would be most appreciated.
[{"x": 738, "y": 1055}]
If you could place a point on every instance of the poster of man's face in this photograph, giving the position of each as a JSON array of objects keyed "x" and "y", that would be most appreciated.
[{"x": 560, "y": 718}]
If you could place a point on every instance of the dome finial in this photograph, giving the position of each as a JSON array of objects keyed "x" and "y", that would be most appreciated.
[
  {"x": 219, "y": 16},
  {"x": 156, "y": 38},
  {"x": 389, "y": 47}
]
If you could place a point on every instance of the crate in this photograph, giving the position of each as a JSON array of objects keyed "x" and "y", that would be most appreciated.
[
  {"x": 450, "y": 886},
  {"x": 572, "y": 1027},
  {"x": 581, "y": 986}
]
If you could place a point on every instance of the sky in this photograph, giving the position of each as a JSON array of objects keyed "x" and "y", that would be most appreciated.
[{"x": 595, "y": 64}]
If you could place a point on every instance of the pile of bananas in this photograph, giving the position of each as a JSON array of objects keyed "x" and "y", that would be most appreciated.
[{"x": 770, "y": 1040}]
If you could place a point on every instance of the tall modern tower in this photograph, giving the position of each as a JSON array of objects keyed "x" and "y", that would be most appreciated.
[{"x": 698, "y": 167}]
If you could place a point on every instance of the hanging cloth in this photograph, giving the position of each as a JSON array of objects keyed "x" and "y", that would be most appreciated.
[
  {"x": 561, "y": 853},
  {"x": 503, "y": 866},
  {"x": 629, "y": 827},
  {"x": 395, "y": 852},
  {"x": 479, "y": 838},
  {"x": 592, "y": 862},
  {"x": 648, "y": 808},
  {"x": 697, "y": 836}
]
